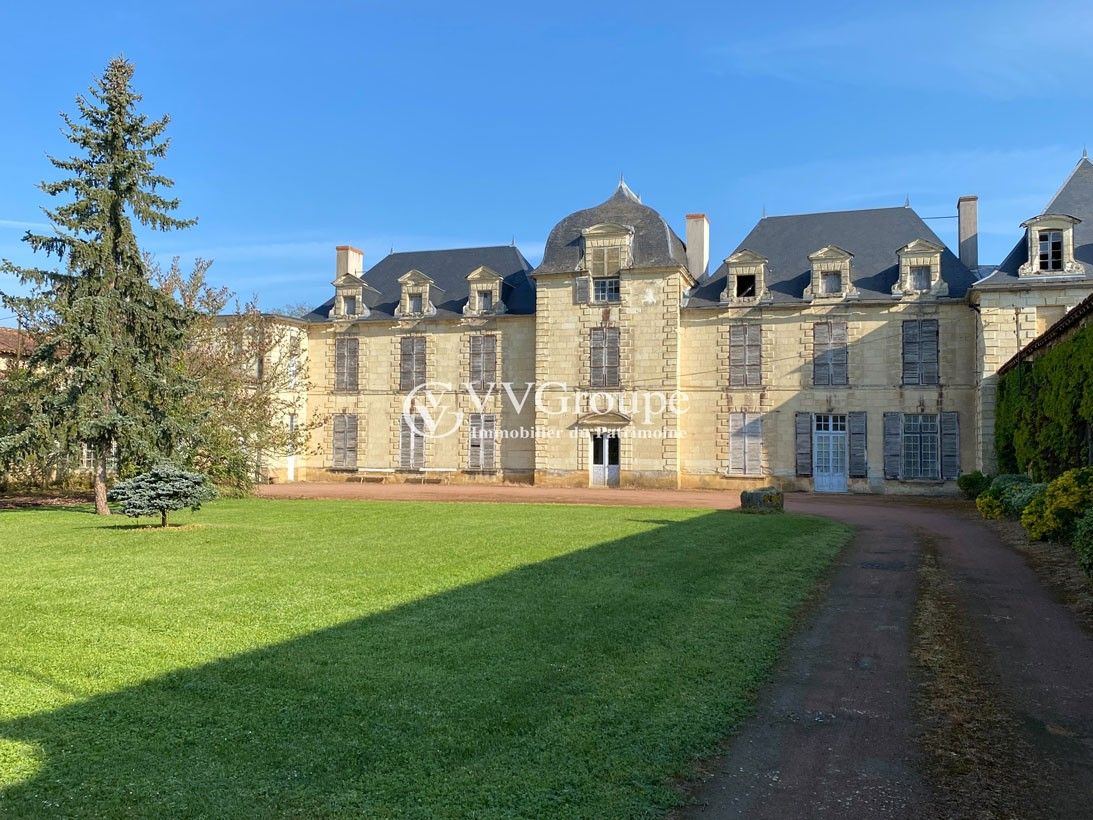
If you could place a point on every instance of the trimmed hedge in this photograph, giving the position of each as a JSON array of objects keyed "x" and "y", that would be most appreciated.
[
  {"x": 973, "y": 484},
  {"x": 1083, "y": 541},
  {"x": 1044, "y": 409}
]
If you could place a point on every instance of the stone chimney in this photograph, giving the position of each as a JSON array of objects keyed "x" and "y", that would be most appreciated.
[
  {"x": 698, "y": 245},
  {"x": 350, "y": 260},
  {"x": 967, "y": 227}
]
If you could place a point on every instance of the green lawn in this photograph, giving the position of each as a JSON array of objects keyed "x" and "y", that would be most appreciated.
[{"x": 314, "y": 658}]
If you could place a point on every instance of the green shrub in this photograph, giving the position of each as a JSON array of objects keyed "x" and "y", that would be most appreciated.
[
  {"x": 973, "y": 484},
  {"x": 1003, "y": 482},
  {"x": 1054, "y": 514},
  {"x": 989, "y": 506},
  {"x": 1018, "y": 496},
  {"x": 160, "y": 490},
  {"x": 1083, "y": 541}
]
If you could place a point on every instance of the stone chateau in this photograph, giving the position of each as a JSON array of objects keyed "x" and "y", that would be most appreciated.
[{"x": 841, "y": 351}]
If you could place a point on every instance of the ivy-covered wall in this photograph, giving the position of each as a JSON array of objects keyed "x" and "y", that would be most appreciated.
[{"x": 1044, "y": 410}]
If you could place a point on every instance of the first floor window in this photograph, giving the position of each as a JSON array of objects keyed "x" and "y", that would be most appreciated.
[
  {"x": 606, "y": 290},
  {"x": 921, "y": 447},
  {"x": 345, "y": 441},
  {"x": 745, "y": 354},
  {"x": 411, "y": 362},
  {"x": 480, "y": 442},
  {"x": 604, "y": 354},
  {"x": 920, "y": 351},
  {"x": 411, "y": 442},
  {"x": 745, "y": 443},
  {"x": 346, "y": 362}
]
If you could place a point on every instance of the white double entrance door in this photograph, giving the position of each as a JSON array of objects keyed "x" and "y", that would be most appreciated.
[
  {"x": 605, "y": 460},
  {"x": 829, "y": 459}
]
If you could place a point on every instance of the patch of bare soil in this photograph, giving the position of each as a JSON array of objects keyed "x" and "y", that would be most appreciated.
[
  {"x": 1058, "y": 568},
  {"x": 979, "y": 761},
  {"x": 20, "y": 501}
]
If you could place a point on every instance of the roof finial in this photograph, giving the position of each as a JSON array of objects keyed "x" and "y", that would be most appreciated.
[
  {"x": 514, "y": 240},
  {"x": 1085, "y": 154},
  {"x": 907, "y": 201},
  {"x": 764, "y": 210}
]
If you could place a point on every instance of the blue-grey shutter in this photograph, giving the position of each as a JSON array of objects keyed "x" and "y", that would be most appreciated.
[
  {"x": 474, "y": 443},
  {"x": 910, "y": 352},
  {"x": 477, "y": 376},
  {"x": 753, "y": 443},
  {"x": 858, "y": 433},
  {"x": 611, "y": 357},
  {"x": 737, "y": 355},
  {"x": 838, "y": 353},
  {"x": 489, "y": 359},
  {"x": 803, "y": 436},
  {"x": 754, "y": 354},
  {"x": 950, "y": 445},
  {"x": 350, "y": 439},
  {"x": 352, "y": 360},
  {"x": 928, "y": 351},
  {"x": 821, "y": 353},
  {"x": 893, "y": 444},
  {"x": 339, "y": 363},
  {"x": 580, "y": 289},
  {"x": 338, "y": 441},
  {"x": 406, "y": 363},
  {"x": 736, "y": 444},
  {"x": 489, "y": 434},
  {"x": 597, "y": 347}
]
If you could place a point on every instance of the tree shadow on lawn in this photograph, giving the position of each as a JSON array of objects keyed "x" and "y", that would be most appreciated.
[{"x": 579, "y": 686}]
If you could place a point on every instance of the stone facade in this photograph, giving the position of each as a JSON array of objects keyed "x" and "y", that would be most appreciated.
[{"x": 851, "y": 341}]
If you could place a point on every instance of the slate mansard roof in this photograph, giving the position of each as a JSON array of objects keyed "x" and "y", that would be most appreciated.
[
  {"x": 655, "y": 243},
  {"x": 1075, "y": 198},
  {"x": 448, "y": 269},
  {"x": 873, "y": 236}
]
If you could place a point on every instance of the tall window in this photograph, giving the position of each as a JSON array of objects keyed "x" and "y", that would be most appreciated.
[
  {"x": 604, "y": 352},
  {"x": 606, "y": 290},
  {"x": 411, "y": 442},
  {"x": 921, "y": 447},
  {"x": 480, "y": 443},
  {"x": 411, "y": 362},
  {"x": 829, "y": 363},
  {"x": 346, "y": 359},
  {"x": 1051, "y": 250},
  {"x": 344, "y": 448},
  {"x": 483, "y": 354},
  {"x": 745, "y": 354},
  {"x": 605, "y": 261},
  {"x": 745, "y": 443},
  {"x": 920, "y": 351},
  {"x": 920, "y": 277}
]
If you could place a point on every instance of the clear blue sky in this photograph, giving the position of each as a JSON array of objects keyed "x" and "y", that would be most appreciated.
[{"x": 420, "y": 125}]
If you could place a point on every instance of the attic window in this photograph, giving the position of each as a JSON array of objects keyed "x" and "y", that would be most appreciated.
[
  {"x": 415, "y": 303},
  {"x": 920, "y": 277},
  {"x": 349, "y": 305},
  {"x": 606, "y": 261},
  {"x": 485, "y": 300},
  {"x": 745, "y": 286},
  {"x": 831, "y": 282},
  {"x": 1051, "y": 250}
]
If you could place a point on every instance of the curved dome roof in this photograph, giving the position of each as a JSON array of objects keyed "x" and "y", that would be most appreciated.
[{"x": 655, "y": 243}]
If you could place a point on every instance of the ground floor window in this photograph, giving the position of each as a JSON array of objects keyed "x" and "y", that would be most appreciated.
[
  {"x": 344, "y": 447},
  {"x": 745, "y": 443},
  {"x": 411, "y": 442},
  {"x": 921, "y": 447},
  {"x": 481, "y": 441}
]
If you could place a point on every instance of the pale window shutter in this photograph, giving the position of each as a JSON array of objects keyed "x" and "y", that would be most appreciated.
[
  {"x": 928, "y": 351},
  {"x": 838, "y": 354},
  {"x": 477, "y": 376},
  {"x": 858, "y": 463},
  {"x": 736, "y": 444},
  {"x": 611, "y": 357},
  {"x": 419, "y": 360},
  {"x": 821, "y": 358},
  {"x": 596, "y": 349},
  {"x": 950, "y": 445},
  {"x": 580, "y": 289},
  {"x": 350, "y": 440},
  {"x": 753, "y": 442},
  {"x": 910, "y": 352},
  {"x": 893, "y": 444},
  {"x": 339, "y": 363},
  {"x": 737, "y": 355},
  {"x": 419, "y": 444},
  {"x": 489, "y": 359},
  {"x": 803, "y": 434},
  {"x": 614, "y": 260},
  {"x": 338, "y": 444},
  {"x": 474, "y": 443},
  {"x": 489, "y": 432},
  {"x": 406, "y": 363},
  {"x": 754, "y": 353},
  {"x": 405, "y": 444},
  {"x": 352, "y": 360}
]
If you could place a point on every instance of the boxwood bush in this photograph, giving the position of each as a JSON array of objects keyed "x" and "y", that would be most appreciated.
[
  {"x": 973, "y": 484},
  {"x": 1054, "y": 515},
  {"x": 1083, "y": 541}
]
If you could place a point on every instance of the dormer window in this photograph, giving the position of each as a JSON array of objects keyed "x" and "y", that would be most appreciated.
[
  {"x": 485, "y": 301},
  {"x": 831, "y": 274},
  {"x": 607, "y": 249},
  {"x": 415, "y": 303},
  {"x": 1051, "y": 246},
  {"x": 919, "y": 265},
  {"x": 484, "y": 293},
  {"x": 349, "y": 305},
  {"x": 419, "y": 296},
  {"x": 745, "y": 280}
]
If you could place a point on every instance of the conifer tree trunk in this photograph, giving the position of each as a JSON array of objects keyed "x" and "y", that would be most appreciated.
[{"x": 101, "y": 507}]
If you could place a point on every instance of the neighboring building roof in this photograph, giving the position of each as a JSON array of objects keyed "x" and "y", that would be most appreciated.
[
  {"x": 448, "y": 269},
  {"x": 1078, "y": 315},
  {"x": 655, "y": 243},
  {"x": 14, "y": 342},
  {"x": 1075, "y": 198},
  {"x": 873, "y": 236}
]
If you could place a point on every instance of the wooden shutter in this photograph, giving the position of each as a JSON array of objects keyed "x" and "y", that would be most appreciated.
[
  {"x": 406, "y": 363},
  {"x": 338, "y": 443},
  {"x": 821, "y": 353},
  {"x": 419, "y": 360},
  {"x": 611, "y": 357},
  {"x": 488, "y": 429},
  {"x": 893, "y": 444},
  {"x": 477, "y": 375},
  {"x": 803, "y": 431},
  {"x": 950, "y": 445},
  {"x": 350, "y": 439},
  {"x": 405, "y": 443},
  {"x": 489, "y": 359},
  {"x": 754, "y": 354},
  {"x": 910, "y": 352},
  {"x": 736, "y": 444},
  {"x": 339, "y": 363},
  {"x": 753, "y": 442},
  {"x": 859, "y": 463},
  {"x": 838, "y": 353},
  {"x": 737, "y": 355},
  {"x": 928, "y": 351},
  {"x": 580, "y": 289},
  {"x": 474, "y": 443},
  {"x": 597, "y": 344},
  {"x": 411, "y": 443}
]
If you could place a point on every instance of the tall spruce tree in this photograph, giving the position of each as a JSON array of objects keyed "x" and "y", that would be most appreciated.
[{"x": 105, "y": 368}]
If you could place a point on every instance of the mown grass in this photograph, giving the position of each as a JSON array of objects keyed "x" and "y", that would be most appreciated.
[{"x": 326, "y": 658}]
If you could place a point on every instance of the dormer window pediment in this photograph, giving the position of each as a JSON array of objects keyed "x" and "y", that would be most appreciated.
[
  {"x": 1050, "y": 240},
  {"x": 746, "y": 280},
  {"x": 920, "y": 271},
  {"x": 351, "y": 297},
  {"x": 484, "y": 293},
  {"x": 419, "y": 294},
  {"x": 832, "y": 274},
  {"x": 607, "y": 248}
]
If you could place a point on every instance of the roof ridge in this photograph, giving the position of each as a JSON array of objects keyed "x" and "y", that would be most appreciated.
[
  {"x": 449, "y": 250},
  {"x": 901, "y": 208}
]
